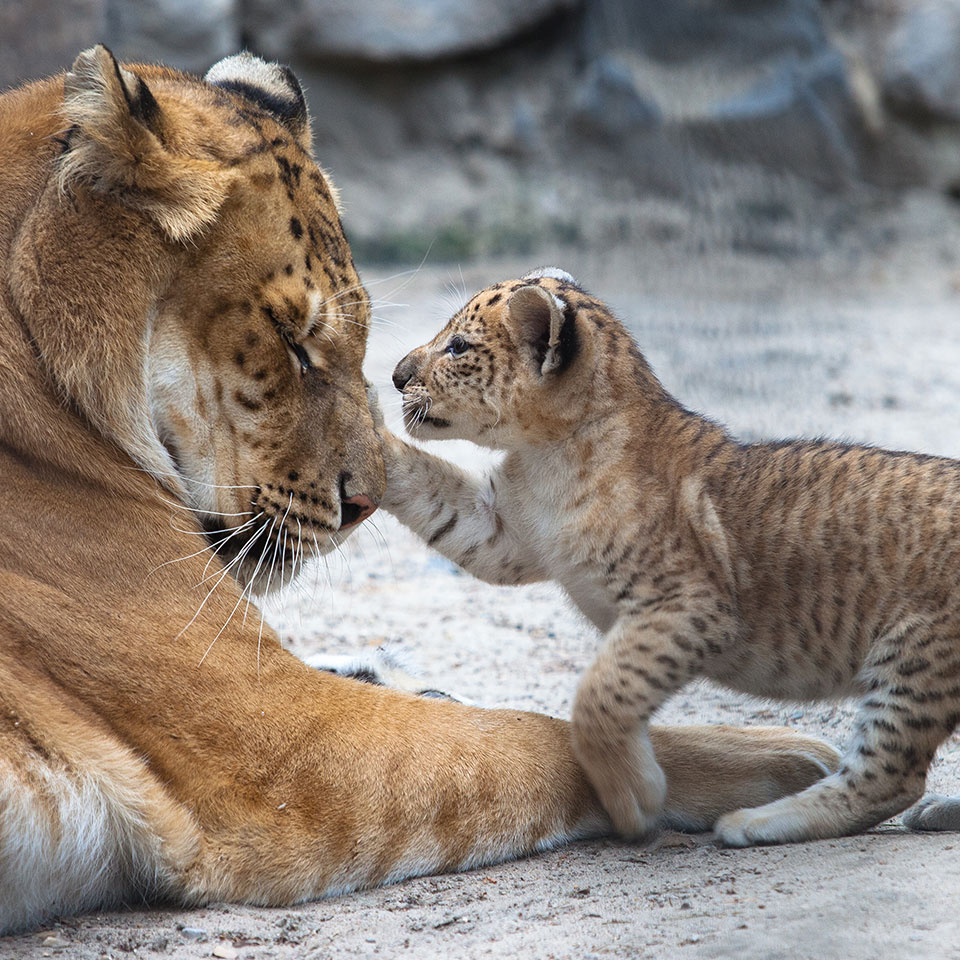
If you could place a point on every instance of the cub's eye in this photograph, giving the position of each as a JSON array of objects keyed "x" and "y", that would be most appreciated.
[{"x": 457, "y": 346}]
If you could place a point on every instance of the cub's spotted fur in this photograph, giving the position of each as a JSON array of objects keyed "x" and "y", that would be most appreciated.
[{"x": 795, "y": 570}]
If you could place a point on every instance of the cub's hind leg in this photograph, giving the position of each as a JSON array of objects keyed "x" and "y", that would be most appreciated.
[
  {"x": 910, "y": 710},
  {"x": 714, "y": 769}
]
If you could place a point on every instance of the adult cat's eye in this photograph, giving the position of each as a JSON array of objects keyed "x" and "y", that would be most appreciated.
[{"x": 297, "y": 349}]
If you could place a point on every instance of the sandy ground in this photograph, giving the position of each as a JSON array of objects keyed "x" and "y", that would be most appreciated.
[{"x": 862, "y": 344}]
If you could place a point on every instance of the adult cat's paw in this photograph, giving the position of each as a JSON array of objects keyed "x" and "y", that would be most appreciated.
[
  {"x": 934, "y": 812},
  {"x": 382, "y": 667}
]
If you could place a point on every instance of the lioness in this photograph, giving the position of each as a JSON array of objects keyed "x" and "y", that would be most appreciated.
[{"x": 182, "y": 419}]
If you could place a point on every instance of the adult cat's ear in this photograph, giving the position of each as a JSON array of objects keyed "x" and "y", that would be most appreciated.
[
  {"x": 545, "y": 327},
  {"x": 271, "y": 86},
  {"x": 117, "y": 146}
]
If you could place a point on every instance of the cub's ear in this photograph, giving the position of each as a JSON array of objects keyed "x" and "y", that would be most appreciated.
[
  {"x": 545, "y": 327},
  {"x": 117, "y": 145},
  {"x": 272, "y": 86}
]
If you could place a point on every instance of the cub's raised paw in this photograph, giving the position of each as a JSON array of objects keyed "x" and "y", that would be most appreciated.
[
  {"x": 373, "y": 401},
  {"x": 381, "y": 667},
  {"x": 934, "y": 812}
]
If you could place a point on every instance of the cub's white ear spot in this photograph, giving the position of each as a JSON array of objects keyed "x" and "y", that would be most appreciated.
[
  {"x": 272, "y": 86},
  {"x": 552, "y": 273}
]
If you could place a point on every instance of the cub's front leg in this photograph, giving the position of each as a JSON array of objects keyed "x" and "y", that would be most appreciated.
[
  {"x": 457, "y": 514},
  {"x": 649, "y": 653}
]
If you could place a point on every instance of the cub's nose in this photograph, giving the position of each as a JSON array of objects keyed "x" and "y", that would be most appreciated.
[{"x": 404, "y": 371}]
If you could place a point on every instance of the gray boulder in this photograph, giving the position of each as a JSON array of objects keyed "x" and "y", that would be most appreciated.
[
  {"x": 181, "y": 33},
  {"x": 800, "y": 119},
  {"x": 608, "y": 102},
  {"x": 390, "y": 30},
  {"x": 922, "y": 69},
  {"x": 678, "y": 30}
]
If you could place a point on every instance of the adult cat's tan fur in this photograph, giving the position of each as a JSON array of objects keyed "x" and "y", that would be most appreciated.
[
  {"x": 182, "y": 417},
  {"x": 795, "y": 570}
]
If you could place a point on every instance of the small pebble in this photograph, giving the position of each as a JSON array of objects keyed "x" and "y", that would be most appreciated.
[{"x": 225, "y": 952}]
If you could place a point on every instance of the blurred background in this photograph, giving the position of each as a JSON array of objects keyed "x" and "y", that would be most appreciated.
[
  {"x": 766, "y": 191},
  {"x": 489, "y": 127}
]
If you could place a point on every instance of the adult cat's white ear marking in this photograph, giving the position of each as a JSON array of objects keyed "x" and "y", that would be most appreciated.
[{"x": 271, "y": 86}]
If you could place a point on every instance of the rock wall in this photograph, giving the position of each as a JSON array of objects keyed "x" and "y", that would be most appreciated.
[{"x": 486, "y": 125}]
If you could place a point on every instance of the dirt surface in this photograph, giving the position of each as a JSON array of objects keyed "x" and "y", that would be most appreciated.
[{"x": 861, "y": 344}]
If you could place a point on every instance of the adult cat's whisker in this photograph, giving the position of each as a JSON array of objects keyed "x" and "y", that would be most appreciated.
[
  {"x": 272, "y": 566},
  {"x": 316, "y": 568},
  {"x": 283, "y": 560},
  {"x": 224, "y": 542},
  {"x": 251, "y": 539},
  {"x": 188, "y": 480},
  {"x": 202, "y": 511},
  {"x": 214, "y": 548},
  {"x": 369, "y": 283},
  {"x": 189, "y": 556},
  {"x": 247, "y": 590},
  {"x": 187, "y": 533},
  {"x": 222, "y": 574},
  {"x": 298, "y": 550},
  {"x": 251, "y": 586}
]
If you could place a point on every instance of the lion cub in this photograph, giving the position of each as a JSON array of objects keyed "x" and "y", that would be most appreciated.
[{"x": 794, "y": 570}]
